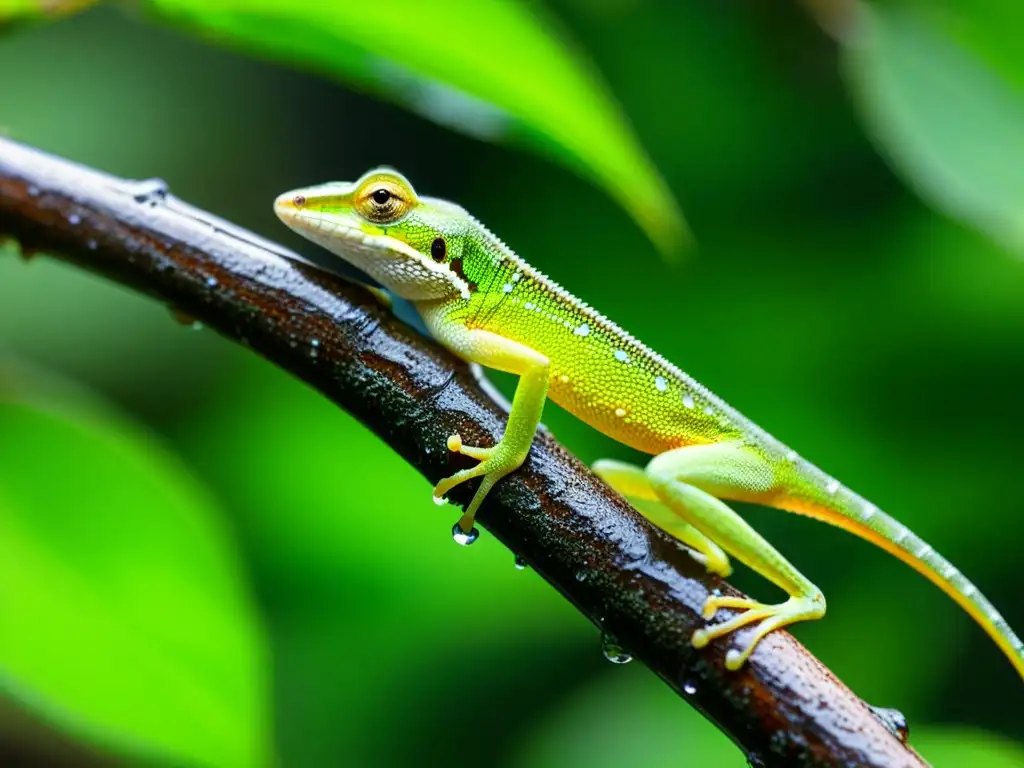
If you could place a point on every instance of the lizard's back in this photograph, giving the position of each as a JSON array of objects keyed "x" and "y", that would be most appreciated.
[{"x": 599, "y": 372}]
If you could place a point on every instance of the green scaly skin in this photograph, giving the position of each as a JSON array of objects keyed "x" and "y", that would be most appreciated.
[{"x": 488, "y": 306}]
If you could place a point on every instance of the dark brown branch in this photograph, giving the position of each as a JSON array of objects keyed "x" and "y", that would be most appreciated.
[{"x": 631, "y": 580}]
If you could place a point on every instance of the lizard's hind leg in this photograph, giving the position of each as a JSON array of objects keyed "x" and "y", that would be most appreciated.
[
  {"x": 691, "y": 482},
  {"x": 631, "y": 481}
]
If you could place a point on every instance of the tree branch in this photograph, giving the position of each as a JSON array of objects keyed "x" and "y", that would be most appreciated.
[{"x": 784, "y": 708}]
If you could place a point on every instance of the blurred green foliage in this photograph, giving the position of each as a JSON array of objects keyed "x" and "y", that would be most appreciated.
[
  {"x": 473, "y": 65},
  {"x": 114, "y": 602},
  {"x": 153, "y": 477},
  {"x": 951, "y": 124}
]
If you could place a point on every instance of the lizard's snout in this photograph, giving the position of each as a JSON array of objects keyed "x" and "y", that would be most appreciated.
[{"x": 288, "y": 205}]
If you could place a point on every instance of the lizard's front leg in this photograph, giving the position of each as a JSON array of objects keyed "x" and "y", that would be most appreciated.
[{"x": 494, "y": 351}]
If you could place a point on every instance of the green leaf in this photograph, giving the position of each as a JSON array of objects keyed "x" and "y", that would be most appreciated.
[
  {"x": 494, "y": 69},
  {"x": 948, "y": 124},
  {"x": 123, "y": 617}
]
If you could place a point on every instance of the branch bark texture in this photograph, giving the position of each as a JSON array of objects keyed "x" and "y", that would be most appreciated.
[{"x": 784, "y": 708}]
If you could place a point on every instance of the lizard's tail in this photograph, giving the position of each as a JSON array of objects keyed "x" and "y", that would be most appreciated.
[{"x": 843, "y": 508}]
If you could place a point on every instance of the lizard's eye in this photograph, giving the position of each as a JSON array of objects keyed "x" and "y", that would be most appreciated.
[
  {"x": 438, "y": 249},
  {"x": 382, "y": 202}
]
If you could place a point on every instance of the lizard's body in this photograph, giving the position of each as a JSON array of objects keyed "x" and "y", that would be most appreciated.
[{"x": 480, "y": 300}]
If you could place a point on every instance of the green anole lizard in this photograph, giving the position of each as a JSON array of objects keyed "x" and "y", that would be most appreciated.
[{"x": 485, "y": 304}]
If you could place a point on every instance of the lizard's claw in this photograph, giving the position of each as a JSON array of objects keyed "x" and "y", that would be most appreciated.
[
  {"x": 495, "y": 462},
  {"x": 455, "y": 445},
  {"x": 771, "y": 617}
]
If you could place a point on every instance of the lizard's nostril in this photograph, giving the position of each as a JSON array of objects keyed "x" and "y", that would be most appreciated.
[{"x": 299, "y": 201}]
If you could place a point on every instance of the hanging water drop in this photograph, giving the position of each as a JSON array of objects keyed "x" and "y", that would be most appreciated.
[
  {"x": 183, "y": 318},
  {"x": 150, "y": 191},
  {"x": 439, "y": 500},
  {"x": 689, "y": 688},
  {"x": 520, "y": 563},
  {"x": 894, "y": 720},
  {"x": 463, "y": 538},
  {"x": 613, "y": 651}
]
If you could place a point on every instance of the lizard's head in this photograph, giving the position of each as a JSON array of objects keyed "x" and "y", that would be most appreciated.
[{"x": 411, "y": 245}]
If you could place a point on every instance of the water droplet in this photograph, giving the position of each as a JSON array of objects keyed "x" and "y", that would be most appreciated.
[
  {"x": 690, "y": 688},
  {"x": 894, "y": 720},
  {"x": 150, "y": 191},
  {"x": 74, "y": 219},
  {"x": 211, "y": 281},
  {"x": 582, "y": 330},
  {"x": 688, "y": 400},
  {"x": 520, "y": 563},
  {"x": 315, "y": 342},
  {"x": 581, "y": 576},
  {"x": 196, "y": 325},
  {"x": 613, "y": 651},
  {"x": 439, "y": 500},
  {"x": 314, "y": 354},
  {"x": 462, "y": 538},
  {"x": 184, "y": 318}
]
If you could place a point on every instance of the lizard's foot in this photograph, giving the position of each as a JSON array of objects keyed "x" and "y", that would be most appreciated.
[
  {"x": 771, "y": 617},
  {"x": 495, "y": 462}
]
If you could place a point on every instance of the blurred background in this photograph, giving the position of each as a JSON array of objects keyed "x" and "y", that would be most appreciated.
[{"x": 195, "y": 572}]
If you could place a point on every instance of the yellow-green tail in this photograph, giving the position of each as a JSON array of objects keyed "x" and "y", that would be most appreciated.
[{"x": 841, "y": 507}]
